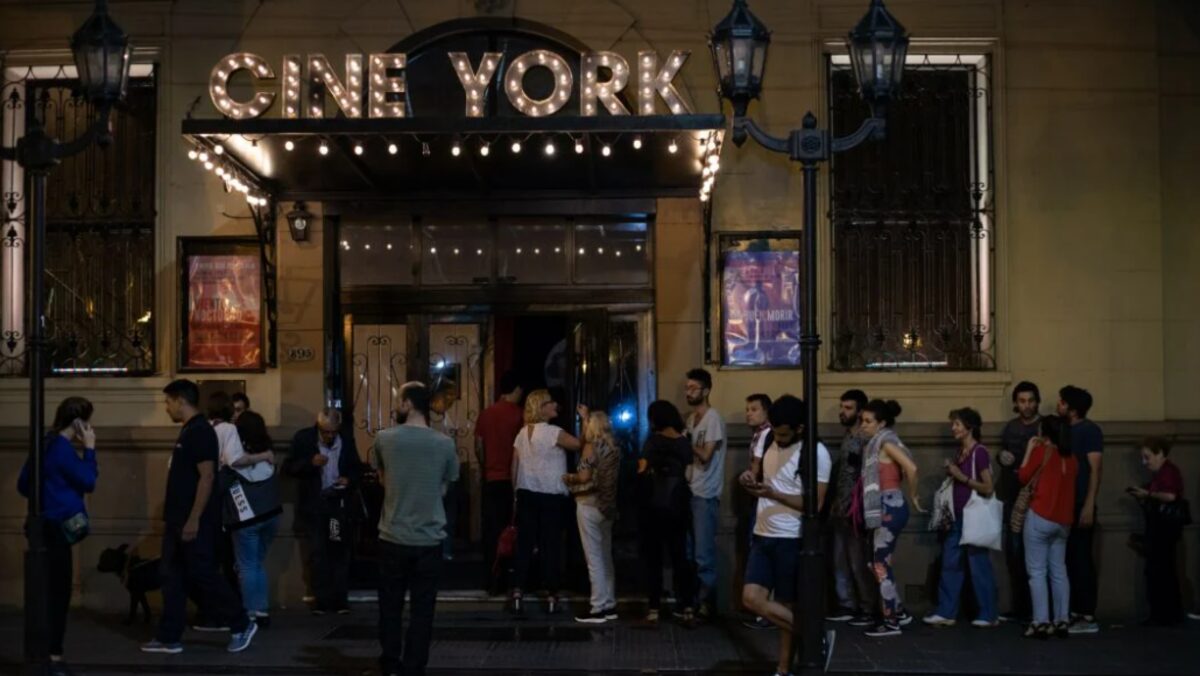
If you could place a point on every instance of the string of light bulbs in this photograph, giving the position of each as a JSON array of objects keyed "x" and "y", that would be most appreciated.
[{"x": 215, "y": 160}]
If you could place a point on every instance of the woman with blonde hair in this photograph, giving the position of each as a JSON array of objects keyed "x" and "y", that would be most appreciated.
[
  {"x": 539, "y": 463},
  {"x": 594, "y": 485}
]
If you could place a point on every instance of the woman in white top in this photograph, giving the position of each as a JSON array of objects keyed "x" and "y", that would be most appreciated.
[{"x": 543, "y": 503}]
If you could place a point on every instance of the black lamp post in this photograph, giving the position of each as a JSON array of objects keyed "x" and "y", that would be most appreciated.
[
  {"x": 101, "y": 51},
  {"x": 877, "y": 46}
]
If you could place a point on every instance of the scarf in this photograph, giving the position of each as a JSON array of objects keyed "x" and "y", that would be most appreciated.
[{"x": 872, "y": 500}]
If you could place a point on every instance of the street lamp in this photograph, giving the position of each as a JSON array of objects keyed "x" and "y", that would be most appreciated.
[
  {"x": 878, "y": 46},
  {"x": 101, "y": 51}
]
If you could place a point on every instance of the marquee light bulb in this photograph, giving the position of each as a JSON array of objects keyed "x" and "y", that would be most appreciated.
[
  {"x": 203, "y": 156},
  {"x": 219, "y": 149},
  {"x": 192, "y": 154},
  {"x": 485, "y": 149},
  {"x": 456, "y": 149},
  {"x": 358, "y": 149},
  {"x": 393, "y": 149},
  {"x": 324, "y": 149},
  {"x": 516, "y": 147},
  {"x": 606, "y": 150},
  {"x": 424, "y": 149},
  {"x": 673, "y": 148},
  {"x": 289, "y": 146},
  {"x": 549, "y": 147},
  {"x": 579, "y": 147},
  {"x": 637, "y": 142}
]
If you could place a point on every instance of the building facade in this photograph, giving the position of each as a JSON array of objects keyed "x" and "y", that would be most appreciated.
[{"x": 1030, "y": 217}]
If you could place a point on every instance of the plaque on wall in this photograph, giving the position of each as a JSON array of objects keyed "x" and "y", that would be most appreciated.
[
  {"x": 760, "y": 300},
  {"x": 222, "y": 296}
]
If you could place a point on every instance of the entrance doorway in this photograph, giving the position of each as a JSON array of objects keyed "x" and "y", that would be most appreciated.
[{"x": 581, "y": 355}]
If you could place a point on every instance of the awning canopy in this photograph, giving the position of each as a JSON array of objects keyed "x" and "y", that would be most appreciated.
[
  {"x": 414, "y": 158},
  {"x": 259, "y": 150}
]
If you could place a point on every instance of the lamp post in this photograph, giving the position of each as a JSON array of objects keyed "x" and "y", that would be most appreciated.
[
  {"x": 877, "y": 46},
  {"x": 101, "y": 52}
]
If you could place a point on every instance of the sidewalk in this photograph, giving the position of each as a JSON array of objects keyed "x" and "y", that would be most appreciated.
[{"x": 470, "y": 639}]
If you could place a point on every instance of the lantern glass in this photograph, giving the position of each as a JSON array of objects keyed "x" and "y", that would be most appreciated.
[
  {"x": 102, "y": 54},
  {"x": 739, "y": 48},
  {"x": 878, "y": 46}
]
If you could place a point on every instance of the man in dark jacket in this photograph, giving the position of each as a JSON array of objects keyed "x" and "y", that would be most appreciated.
[{"x": 325, "y": 461}]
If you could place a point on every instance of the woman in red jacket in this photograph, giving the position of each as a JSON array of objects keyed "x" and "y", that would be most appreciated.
[{"x": 1047, "y": 525}]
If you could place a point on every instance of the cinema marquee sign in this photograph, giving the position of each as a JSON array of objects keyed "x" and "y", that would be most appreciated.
[{"x": 381, "y": 90}]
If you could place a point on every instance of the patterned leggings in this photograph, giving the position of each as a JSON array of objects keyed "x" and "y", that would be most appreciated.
[{"x": 895, "y": 516}]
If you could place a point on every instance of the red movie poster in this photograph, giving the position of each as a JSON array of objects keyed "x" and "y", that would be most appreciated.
[{"x": 224, "y": 319}]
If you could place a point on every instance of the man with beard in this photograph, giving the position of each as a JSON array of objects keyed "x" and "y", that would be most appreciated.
[
  {"x": 855, "y": 587},
  {"x": 1013, "y": 440},
  {"x": 706, "y": 477}
]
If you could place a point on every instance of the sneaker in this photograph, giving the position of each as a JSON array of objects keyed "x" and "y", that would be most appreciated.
[
  {"x": 1062, "y": 630},
  {"x": 157, "y": 646},
  {"x": 308, "y": 598},
  {"x": 1084, "y": 626},
  {"x": 651, "y": 616},
  {"x": 1193, "y": 616},
  {"x": 211, "y": 627},
  {"x": 705, "y": 611},
  {"x": 985, "y": 624},
  {"x": 936, "y": 620},
  {"x": 840, "y": 615},
  {"x": 597, "y": 617},
  {"x": 827, "y": 646},
  {"x": 344, "y": 610},
  {"x": 865, "y": 620},
  {"x": 1014, "y": 618},
  {"x": 883, "y": 629},
  {"x": 904, "y": 618},
  {"x": 758, "y": 623},
  {"x": 241, "y": 641},
  {"x": 610, "y": 613},
  {"x": 1038, "y": 631}
]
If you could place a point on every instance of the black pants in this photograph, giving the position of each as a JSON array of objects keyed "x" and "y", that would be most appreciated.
[
  {"x": 1018, "y": 576},
  {"x": 59, "y": 570},
  {"x": 541, "y": 519},
  {"x": 656, "y": 534},
  {"x": 413, "y": 571},
  {"x": 228, "y": 569},
  {"x": 193, "y": 566},
  {"x": 330, "y": 564},
  {"x": 1081, "y": 570},
  {"x": 1162, "y": 578},
  {"x": 497, "y": 514}
]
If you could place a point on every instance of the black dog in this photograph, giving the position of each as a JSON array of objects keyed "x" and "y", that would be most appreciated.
[{"x": 137, "y": 575}]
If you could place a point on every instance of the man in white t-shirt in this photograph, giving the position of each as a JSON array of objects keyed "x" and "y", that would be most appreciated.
[
  {"x": 706, "y": 477},
  {"x": 775, "y": 552}
]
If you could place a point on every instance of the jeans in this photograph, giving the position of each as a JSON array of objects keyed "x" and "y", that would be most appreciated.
[
  {"x": 194, "y": 565},
  {"x": 852, "y": 576},
  {"x": 497, "y": 514},
  {"x": 706, "y": 514},
  {"x": 60, "y": 578},
  {"x": 1081, "y": 569},
  {"x": 884, "y": 541},
  {"x": 250, "y": 545},
  {"x": 595, "y": 532},
  {"x": 1162, "y": 578},
  {"x": 412, "y": 571},
  {"x": 953, "y": 576},
  {"x": 1046, "y": 549},
  {"x": 541, "y": 519},
  {"x": 656, "y": 532},
  {"x": 1018, "y": 574}
]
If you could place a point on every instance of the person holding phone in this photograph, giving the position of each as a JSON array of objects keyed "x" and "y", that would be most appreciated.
[
  {"x": 69, "y": 471},
  {"x": 1165, "y": 511}
]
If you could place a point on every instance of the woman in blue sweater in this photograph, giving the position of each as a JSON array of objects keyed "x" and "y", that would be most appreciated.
[{"x": 67, "y": 474}]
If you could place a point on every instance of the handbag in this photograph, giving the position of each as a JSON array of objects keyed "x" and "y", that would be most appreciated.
[
  {"x": 506, "y": 544},
  {"x": 1020, "y": 507},
  {"x": 75, "y": 528},
  {"x": 982, "y": 520},
  {"x": 248, "y": 502},
  {"x": 943, "y": 506}
]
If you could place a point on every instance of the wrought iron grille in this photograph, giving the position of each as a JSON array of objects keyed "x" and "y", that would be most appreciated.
[
  {"x": 100, "y": 235},
  {"x": 912, "y": 220}
]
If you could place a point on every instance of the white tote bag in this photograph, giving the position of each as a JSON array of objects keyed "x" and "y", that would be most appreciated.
[{"x": 983, "y": 519}]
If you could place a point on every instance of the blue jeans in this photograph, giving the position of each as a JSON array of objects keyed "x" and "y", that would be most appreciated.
[
  {"x": 706, "y": 513},
  {"x": 1046, "y": 550},
  {"x": 953, "y": 576},
  {"x": 250, "y": 545}
]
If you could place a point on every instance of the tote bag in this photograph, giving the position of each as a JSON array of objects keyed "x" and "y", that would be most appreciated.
[{"x": 983, "y": 519}]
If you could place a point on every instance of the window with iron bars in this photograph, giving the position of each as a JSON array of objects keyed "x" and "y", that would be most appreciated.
[
  {"x": 913, "y": 222},
  {"x": 100, "y": 213}
]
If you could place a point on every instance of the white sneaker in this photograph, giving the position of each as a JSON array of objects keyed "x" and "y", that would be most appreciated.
[
  {"x": 936, "y": 620},
  {"x": 984, "y": 624}
]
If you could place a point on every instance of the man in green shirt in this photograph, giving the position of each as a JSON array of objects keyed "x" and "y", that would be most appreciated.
[{"x": 415, "y": 464}]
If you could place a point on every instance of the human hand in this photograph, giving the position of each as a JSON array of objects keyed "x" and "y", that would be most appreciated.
[
  {"x": 319, "y": 460},
  {"x": 746, "y": 478},
  {"x": 269, "y": 456},
  {"x": 1138, "y": 492},
  {"x": 1007, "y": 458},
  {"x": 915, "y": 500},
  {"x": 1087, "y": 518},
  {"x": 760, "y": 490},
  {"x": 582, "y": 411},
  {"x": 341, "y": 481},
  {"x": 190, "y": 529},
  {"x": 87, "y": 435},
  {"x": 955, "y": 473}
]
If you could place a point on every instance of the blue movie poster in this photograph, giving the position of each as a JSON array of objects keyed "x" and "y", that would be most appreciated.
[{"x": 761, "y": 318}]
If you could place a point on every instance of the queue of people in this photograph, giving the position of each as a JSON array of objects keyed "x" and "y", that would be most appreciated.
[{"x": 222, "y": 486}]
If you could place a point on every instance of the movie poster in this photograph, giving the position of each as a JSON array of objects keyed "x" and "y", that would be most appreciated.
[
  {"x": 761, "y": 310},
  {"x": 224, "y": 312}
]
